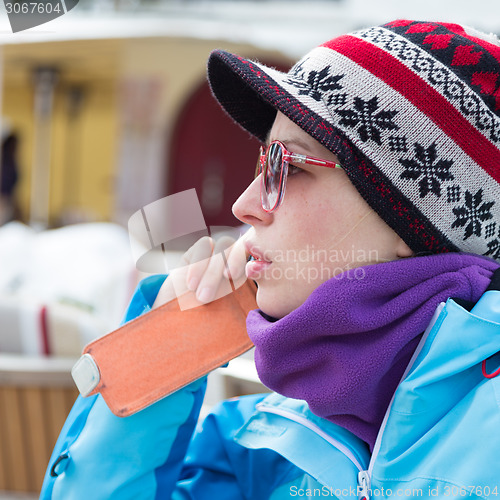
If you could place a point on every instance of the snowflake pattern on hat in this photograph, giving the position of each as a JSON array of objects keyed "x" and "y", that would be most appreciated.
[
  {"x": 473, "y": 213},
  {"x": 314, "y": 83},
  {"x": 367, "y": 119},
  {"x": 428, "y": 169}
]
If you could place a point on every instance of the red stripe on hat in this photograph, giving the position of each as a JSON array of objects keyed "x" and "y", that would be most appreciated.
[{"x": 390, "y": 70}]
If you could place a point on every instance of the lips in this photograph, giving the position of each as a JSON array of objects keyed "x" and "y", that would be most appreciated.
[
  {"x": 258, "y": 265},
  {"x": 255, "y": 253}
]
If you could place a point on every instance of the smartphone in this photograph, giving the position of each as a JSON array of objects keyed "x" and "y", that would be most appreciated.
[{"x": 163, "y": 350}]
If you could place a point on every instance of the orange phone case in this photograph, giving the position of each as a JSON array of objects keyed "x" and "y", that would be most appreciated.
[{"x": 163, "y": 350}]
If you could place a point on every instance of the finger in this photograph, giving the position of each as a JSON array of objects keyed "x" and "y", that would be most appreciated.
[
  {"x": 196, "y": 258},
  {"x": 224, "y": 243},
  {"x": 201, "y": 249},
  {"x": 236, "y": 258},
  {"x": 213, "y": 284}
]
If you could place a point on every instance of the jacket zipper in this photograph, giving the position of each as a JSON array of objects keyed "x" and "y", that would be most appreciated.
[
  {"x": 364, "y": 477},
  {"x": 364, "y": 485},
  {"x": 313, "y": 427}
]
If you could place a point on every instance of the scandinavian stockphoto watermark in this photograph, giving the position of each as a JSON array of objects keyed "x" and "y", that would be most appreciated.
[
  {"x": 26, "y": 14},
  {"x": 161, "y": 231},
  {"x": 430, "y": 491},
  {"x": 310, "y": 264}
]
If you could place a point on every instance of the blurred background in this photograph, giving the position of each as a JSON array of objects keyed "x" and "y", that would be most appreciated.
[{"x": 102, "y": 111}]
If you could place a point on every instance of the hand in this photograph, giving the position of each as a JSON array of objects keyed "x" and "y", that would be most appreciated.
[{"x": 204, "y": 277}]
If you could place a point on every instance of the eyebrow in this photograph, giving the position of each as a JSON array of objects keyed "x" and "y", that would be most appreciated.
[{"x": 291, "y": 140}]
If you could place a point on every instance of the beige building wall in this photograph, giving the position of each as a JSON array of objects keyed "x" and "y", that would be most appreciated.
[{"x": 87, "y": 152}]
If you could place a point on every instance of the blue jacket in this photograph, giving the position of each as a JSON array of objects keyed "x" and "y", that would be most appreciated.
[{"x": 440, "y": 437}]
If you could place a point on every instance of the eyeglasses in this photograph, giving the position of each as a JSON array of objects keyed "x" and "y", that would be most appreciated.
[{"x": 273, "y": 164}]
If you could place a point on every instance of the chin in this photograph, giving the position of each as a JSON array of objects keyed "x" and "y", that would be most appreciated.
[{"x": 271, "y": 305}]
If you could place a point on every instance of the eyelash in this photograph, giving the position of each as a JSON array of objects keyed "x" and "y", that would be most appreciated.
[{"x": 292, "y": 169}]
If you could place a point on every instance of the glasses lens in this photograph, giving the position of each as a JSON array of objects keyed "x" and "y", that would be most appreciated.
[
  {"x": 258, "y": 167},
  {"x": 272, "y": 176}
]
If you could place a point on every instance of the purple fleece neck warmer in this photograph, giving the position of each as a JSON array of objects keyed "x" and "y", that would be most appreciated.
[{"x": 345, "y": 349}]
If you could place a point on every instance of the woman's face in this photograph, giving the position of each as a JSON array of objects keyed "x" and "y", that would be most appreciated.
[{"x": 322, "y": 228}]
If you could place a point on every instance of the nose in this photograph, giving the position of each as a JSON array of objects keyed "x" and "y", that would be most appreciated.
[{"x": 248, "y": 207}]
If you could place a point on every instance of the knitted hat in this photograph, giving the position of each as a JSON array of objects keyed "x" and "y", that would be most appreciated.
[{"x": 412, "y": 111}]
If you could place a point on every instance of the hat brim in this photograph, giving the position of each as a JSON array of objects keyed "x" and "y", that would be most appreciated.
[
  {"x": 252, "y": 93},
  {"x": 243, "y": 96}
]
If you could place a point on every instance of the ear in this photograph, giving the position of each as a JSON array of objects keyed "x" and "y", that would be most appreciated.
[{"x": 403, "y": 250}]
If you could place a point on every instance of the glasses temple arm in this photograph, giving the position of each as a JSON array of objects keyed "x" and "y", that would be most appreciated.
[{"x": 297, "y": 158}]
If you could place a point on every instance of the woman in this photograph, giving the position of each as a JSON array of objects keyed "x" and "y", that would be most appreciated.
[{"x": 386, "y": 143}]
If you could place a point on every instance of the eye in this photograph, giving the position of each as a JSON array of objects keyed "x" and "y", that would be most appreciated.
[{"x": 292, "y": 169}]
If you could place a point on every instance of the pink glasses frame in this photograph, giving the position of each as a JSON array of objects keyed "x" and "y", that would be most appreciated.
[{"x": 287, "y": 157}]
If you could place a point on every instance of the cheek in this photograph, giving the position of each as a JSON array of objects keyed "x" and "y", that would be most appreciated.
[
  {"x": 306, "y": 239},
  {"x": 330, "y": 236},
  {"x": 319, "y": 224},
  {"x": 306, "y": 227}
]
